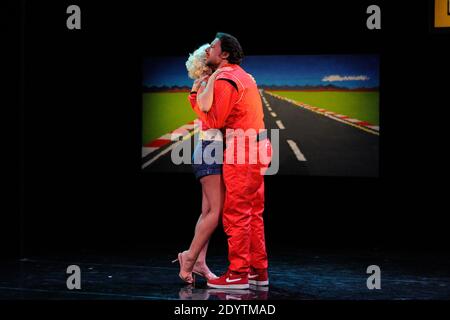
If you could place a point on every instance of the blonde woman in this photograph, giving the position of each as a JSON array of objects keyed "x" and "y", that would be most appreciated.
[{"x": 207, "y": 167}]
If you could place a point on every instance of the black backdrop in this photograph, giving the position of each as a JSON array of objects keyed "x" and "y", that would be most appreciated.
[{"x": 81, "y": 185}]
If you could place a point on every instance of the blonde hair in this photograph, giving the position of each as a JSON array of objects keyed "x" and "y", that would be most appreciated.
[{"x": 196, "y": 64}]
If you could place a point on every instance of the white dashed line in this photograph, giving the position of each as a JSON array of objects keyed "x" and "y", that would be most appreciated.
[
  {"x": 280, "y": 124},
  {"x": 296, "y": 150},
  {"x": 273, "y": 114}
]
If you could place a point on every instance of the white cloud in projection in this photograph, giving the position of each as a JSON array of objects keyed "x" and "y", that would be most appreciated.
[{"x": 336, "y": 77}]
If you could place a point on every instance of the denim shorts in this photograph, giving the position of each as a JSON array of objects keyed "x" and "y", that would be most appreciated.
[{"x": 209, "y": 161}]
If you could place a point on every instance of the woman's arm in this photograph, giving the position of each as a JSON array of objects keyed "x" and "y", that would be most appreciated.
[{"x": 205, "y": 96}]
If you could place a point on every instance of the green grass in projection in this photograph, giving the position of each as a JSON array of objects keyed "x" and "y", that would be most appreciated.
[
  {"x": 164, "y": 112},
  {"x": 360, "y": 105}
]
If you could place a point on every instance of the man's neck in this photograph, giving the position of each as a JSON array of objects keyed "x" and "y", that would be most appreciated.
[{"x": 223, "y": 64}]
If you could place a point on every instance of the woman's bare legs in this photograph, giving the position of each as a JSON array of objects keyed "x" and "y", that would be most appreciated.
[
  {"x": 200, "y": 264},
  {"x": 213, "y": 190},
  {"x": 205, "y": 209}
]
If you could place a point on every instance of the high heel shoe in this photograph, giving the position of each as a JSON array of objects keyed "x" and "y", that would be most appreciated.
[
  {"x": 189, "y": 278},
  {"x": 207, "y": 274}
]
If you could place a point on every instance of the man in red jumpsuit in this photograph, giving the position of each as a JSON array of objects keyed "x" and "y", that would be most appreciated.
[{"x": 237, "y": 105}]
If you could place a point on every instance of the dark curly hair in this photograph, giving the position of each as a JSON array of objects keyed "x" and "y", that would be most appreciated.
[{"x": 230, "y": 44}]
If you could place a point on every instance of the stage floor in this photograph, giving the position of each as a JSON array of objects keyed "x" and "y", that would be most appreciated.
[{"x": 294, "y": 274}]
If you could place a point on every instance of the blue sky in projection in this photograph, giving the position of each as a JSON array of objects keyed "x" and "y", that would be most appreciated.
[{"x": 351, "y": 71}]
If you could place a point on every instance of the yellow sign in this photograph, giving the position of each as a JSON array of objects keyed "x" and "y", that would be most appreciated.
[{"x": 442, "y": 13}]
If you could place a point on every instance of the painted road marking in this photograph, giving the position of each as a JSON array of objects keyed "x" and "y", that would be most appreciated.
[
  {"x": 280, "y": 124},
  {"x": 147, "y": 150},
  {"x": 296, "y": 150},
  {"x": 363, "y": 125},
  {"x": 176, "y": 135},
  {"x": 159, "y": 155},
  {"x": 354, "y": 125},
  {"x": 158, "y": 143},
  {"x": 167, "y": 136},
  {"x": 269, "y": 108},
  {"x": 273, "y": 114}
]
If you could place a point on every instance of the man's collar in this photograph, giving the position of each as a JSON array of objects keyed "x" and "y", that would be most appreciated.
[{"x": 228, "y": 65}]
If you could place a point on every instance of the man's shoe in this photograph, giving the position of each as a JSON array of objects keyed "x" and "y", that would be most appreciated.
[
  {"x": 230, "y": 280},
  {"x": 258, "y": 277}
]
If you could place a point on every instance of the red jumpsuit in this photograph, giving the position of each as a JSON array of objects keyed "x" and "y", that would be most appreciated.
[{"x": 237, "y": 105}]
